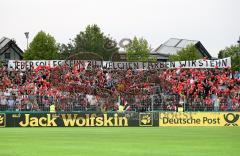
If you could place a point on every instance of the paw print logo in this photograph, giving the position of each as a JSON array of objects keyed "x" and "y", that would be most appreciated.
[
  {"x": 2, "y": 120},
  {"x": 145, "y": 119}
]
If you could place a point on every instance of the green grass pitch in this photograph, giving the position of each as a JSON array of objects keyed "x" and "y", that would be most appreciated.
[{"x": 171, "y": 141}]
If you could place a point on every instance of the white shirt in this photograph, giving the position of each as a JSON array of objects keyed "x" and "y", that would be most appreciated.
[
  {"x": 11, "y": 102},
  {"x": 6, "y": 94},
  {"x": 3, "y": 102}
]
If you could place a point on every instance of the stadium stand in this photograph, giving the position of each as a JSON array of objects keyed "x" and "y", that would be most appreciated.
[{"x": 72, "y": 89}]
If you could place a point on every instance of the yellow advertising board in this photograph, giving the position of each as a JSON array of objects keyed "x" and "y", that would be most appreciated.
[
  {"x": 199, "y": 119},
  {"x": 2, "y": 120}
]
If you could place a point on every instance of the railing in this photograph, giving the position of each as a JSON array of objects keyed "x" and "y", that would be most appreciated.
[{"x": 156, "y": 102}]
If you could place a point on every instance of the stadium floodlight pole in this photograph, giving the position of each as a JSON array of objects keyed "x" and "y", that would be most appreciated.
[{"x": 27, "y": 37}]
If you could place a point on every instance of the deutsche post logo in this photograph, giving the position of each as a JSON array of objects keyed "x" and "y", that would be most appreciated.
[
  {"x": 231, "y": 119},
  {"x": 145, "y": 119},
  {"x": 2, "y": 120}
]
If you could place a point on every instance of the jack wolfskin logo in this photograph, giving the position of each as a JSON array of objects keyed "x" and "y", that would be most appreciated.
[
  {"x": 231, "y": 119},
  {"x": 2, "y": 120},
  {"x": 145, "y": 119}
]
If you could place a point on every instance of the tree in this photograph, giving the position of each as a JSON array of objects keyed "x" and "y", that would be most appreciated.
[
  {"x": 66, "y": 50},
  {"x": 1, "y": 64},
  {"x": 221, "y": 54},
  {"x": 188, "y": 53},
  {"x": 93, "y": 40},
  {"x": 43, "y": 47},
  {"x": 233, "y": 52},
  {"x": 138, "y": 50}
]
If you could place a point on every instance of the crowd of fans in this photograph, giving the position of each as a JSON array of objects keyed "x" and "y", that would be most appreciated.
[
  {"x": 77, "y": 89},
  {"x": 205, "y": 89}
]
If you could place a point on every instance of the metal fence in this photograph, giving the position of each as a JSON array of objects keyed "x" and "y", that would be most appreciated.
[{"x": 82, "y": 102}]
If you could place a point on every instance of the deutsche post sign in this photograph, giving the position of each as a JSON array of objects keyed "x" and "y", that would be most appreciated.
[{"x": 199, "y": 119}]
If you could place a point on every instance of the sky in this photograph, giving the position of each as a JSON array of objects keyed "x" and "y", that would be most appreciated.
[{"x": 216, "y": 23}]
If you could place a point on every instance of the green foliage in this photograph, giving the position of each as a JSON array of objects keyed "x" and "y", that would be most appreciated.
[
  {"x": 138, "y": 50},
  {"x": 1, "y": 65},
  {"x": 152, "y": 58},
  {"x": 1, "y": 62},
  {"x": 93, "y": 40},
  {"x": 188, "y": 53},
  {"x": 43, "y": 47},
  {"x": 221, "y": 54},
  {"x": 66, "y": 50},
  {"x": 233, "y": 52}
]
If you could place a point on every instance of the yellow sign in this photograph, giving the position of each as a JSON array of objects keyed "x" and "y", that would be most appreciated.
[
  {"x": 70, "y": 120},
  {"x": 145, "y": 119},
  {"x": 2, "y": 120},
  {"x": 199, "y": 119}
]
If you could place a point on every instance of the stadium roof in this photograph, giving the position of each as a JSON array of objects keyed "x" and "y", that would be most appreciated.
[{"x": 173, "y": 45}]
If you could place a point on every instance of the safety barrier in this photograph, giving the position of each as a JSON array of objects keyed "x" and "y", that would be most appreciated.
[
  {"x": 199, "y": 119},
  {"x": 130, "y": 119},
  {"x": 115, "y": 119}
]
